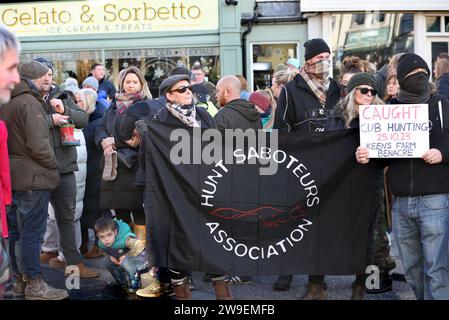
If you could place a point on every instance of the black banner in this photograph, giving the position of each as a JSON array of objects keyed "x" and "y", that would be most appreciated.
[{"x": 314, "y": 216}]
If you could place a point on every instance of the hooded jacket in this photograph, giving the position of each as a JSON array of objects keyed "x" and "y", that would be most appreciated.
[
  {"x": 238, "y": 114},
  {"x": 295, "y": 99},
  {"x": 381, "y": 76},
  {"x": 32, "y": 159}
]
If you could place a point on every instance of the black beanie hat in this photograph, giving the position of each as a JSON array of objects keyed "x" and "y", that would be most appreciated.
[
  {"x": 315, "y": 47},
  {"x": 362, "y": 78},
  {"x": 409, "y": 62}
]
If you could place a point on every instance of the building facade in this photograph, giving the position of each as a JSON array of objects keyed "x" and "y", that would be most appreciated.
[{"x": 379, "y": 29}]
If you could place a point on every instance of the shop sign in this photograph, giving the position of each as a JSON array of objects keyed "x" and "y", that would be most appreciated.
[{"x": 108, "y": 16}]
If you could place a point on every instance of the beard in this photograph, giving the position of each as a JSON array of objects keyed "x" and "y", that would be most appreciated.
[{"x": 4, "y": 99}]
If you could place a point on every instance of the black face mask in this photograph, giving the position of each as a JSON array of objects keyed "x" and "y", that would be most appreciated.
[{"x": 417, "y": 83}]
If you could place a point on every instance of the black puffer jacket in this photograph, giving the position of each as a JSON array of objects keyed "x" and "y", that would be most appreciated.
[
  {"x": 296, "y": 99},
  {"x": 238, "y": 114},
  {"x": 414, "y": 177}
]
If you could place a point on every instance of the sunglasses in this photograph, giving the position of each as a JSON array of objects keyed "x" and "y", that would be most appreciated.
[
  {"x": 182, "y": 89},
  {"x": 366, "y": 90}
]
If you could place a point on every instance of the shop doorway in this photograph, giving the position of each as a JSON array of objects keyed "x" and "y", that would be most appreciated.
[{"x": 265, "y": 58}]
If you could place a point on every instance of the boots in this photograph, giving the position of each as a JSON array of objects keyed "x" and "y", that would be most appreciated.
[
  {"x": 141, "y": 232},
  {"x": 151, "y": 287},
  {"x": 19, "y": 285},
  {"x": 68, "y": 135},
  {"x": 358, "y": 291},
  {"x": 315, "y": 291},
  {"x": 46, "y": 256},
  {"x": 84, "y": 272},
  {"x": 94, "y": 252},
  {"x": 182, "y": 291},
  {"x": 222, "y": 290},
  {"x": 37, "y": 289}
]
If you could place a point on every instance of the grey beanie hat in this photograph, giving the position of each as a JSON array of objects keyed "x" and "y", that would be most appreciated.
[
  {"x": 362, "y": 78},
  {"x": 91, "y": 81},
  {"x": 32, "y": 70},
  {"x": 170, "y": 82}
]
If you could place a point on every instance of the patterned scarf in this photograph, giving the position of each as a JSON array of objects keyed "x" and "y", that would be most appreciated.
[
  {"x": 186, "y": 114},
  {"x": 317, "y": 78},
  {"x": 126, "y": 100}
]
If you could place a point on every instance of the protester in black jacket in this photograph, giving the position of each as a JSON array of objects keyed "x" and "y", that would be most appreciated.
[
  {"x": 312, "y": 92},
  {"x": 180, "y": 110},
  {"x": 420, "y": 187},
  {"x": 235, "y": 113}
]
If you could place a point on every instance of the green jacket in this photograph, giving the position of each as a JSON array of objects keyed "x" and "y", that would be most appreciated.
[
  {"x": 65, "y": 155},
  {"x": 32, "y": 160}
]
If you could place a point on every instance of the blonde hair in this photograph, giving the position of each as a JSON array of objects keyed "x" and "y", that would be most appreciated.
[
  {"x": 89, "y": 99},
  {"x": 243, "y": 82},
  {"x": 283, "y": 76},
  {"x": 350, "y": 109},
  {"x": 145, "y": 91},
  {"x": 393, "y": 64},
  {"x": 441, "y": 67}
]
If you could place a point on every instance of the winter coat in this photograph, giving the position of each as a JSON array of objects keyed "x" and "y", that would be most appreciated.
[
  {"x": 91, "y": 199},
  {"x": 414, "y": 177},
  {"x": 103, "y": 99},
  {"x": 238, "y": 114},
  {"x": 121, "y": 193},
  {"x": 32, "y": 159},
  {"x": 295, "y": 99},
  {"x": 81, "y": 174},
  {"x": 66, "y": 155},
  {"x": 443, "y": 85},
  {"x": 139, "y": 111},
  {"x": 108, "y": 87},
  {"x": 5, "y": 180},
  {"x": 381, "y": 76}
]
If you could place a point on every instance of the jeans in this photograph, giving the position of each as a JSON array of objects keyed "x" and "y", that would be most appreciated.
[
  {"x": 127, "y": 274},
  {"x": 32, "y": 210},
  {"x": 420, "y": 227}
]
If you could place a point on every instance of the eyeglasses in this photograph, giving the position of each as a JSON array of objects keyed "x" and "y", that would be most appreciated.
[
  {"x": 366, "y": 90},
  {"x": 182, "y": 89}
]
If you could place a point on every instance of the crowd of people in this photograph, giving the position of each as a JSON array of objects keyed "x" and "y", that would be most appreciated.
[{"x": 70, "y": 163}]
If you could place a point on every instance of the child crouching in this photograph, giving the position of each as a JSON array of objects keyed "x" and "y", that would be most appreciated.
[{"x": 127, "y": 254}]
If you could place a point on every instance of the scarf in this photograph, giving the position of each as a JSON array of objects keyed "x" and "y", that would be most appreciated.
[
  {"x": 126, "y": 100},
  {"x": 317, "y": 78},
  {"x": 408, "y": 97},
  {"x": 186, "y": 114}
]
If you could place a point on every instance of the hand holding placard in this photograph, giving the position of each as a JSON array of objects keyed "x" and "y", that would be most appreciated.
[{"x": 394, "y": 131}]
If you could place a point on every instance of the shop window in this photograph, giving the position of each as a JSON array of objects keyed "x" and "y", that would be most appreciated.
[
  {"x": 358, "y": 19},
  {"x": 433, "y": 24},
  {"x": 379, "y": 18},
  {"x": 446, "y": 24},
  {"x": 372, "y": 41},
  {"x": 157, "y": 63},
  {"x": 265, "y": 59},
  {"x": 68, "y": 63}
]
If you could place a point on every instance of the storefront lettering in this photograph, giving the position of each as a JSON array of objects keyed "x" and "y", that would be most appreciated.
[
  {"x": 148, "y": 13},
  {"x": 77, "y": 17},
  {"x": 12, "y": 17}
]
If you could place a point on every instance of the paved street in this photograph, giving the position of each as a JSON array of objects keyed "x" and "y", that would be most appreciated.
[{"x": 339, "y": 287}]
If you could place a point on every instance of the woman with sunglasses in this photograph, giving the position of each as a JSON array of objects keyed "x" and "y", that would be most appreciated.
[
  {"x": 361, "y": 90},
  {"x": 121, "y": 193},
  {"x": 180, "y": 110}
]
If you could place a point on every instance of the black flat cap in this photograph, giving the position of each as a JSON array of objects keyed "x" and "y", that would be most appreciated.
[{"x": 168, "y": 83}]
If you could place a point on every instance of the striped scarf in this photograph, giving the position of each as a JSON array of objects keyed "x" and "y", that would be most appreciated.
[
  {"x": 185, "y": 114},
  {"x": 317, "y": 77},
  {"x": 126, "y": 100}
]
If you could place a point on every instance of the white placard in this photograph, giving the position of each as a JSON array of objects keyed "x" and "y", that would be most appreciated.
[{"x": 394, "y": 131}]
